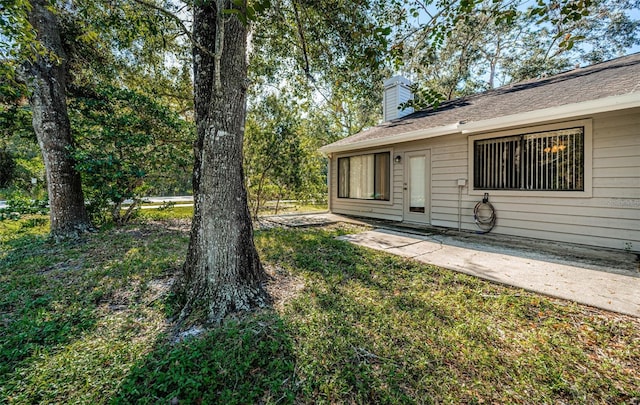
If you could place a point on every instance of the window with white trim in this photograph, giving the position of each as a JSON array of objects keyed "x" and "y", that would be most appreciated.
[
  {"x": 543, "y": 161},
  {"x": 365, "y": 177}
]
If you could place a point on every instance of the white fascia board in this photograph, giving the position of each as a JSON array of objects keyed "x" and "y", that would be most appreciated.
[
  {"x": 613, "y": 103},
  {"x": 390, "y": 140},
  {"x": 568, "y": 111}
]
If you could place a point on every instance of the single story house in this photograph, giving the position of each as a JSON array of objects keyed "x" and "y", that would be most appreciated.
[{"x": 558, "y": 158}]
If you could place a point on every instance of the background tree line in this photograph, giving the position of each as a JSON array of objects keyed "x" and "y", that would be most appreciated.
[{"x": 131, "y": 105}]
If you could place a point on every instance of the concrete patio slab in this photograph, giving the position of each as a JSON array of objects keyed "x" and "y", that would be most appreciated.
[
  {"x": 590, "y": 282},
  {"x": 303, "y": 220}
]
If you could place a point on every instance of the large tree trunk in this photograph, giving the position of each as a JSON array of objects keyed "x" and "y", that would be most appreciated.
[
  {"x": 47, "y": 84},
  {"x": 222, "y": 273}
]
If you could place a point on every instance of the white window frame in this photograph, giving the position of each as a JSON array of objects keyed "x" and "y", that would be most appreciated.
[{"x": 588, "y": 160}]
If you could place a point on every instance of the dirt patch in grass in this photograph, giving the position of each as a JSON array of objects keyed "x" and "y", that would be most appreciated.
[{"x": 282, "y": 286}]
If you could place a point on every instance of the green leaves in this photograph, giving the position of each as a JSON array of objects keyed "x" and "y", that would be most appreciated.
[
  {"x": 423, "y": 98},
  {"x": 247, "y": 12},
  {"x": 16, "y": 34},
  {"x": 463, "y": 47},
  {"x": 19, "y": 205},
  {"x": 325, "y": 49},
  {"x": 127, "y": 142},
  {"x": 507, "y": 17},
  {"x": 280, "y": 157},
  {"x": 7, "y": 167},
  {"x": 569, "y": 10}
]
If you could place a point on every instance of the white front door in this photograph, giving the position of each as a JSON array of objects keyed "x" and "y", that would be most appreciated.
[{"x": 417, "y": 186}]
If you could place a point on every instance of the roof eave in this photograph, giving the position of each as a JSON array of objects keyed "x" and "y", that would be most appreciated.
[
  {"x": 585, "y": 108},
  {"x": 402, "y": 137}
]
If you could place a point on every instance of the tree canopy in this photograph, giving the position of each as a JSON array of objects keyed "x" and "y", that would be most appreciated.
[
  {"x": 502, "y": 42},
  {"x": 127, "y": 70}
]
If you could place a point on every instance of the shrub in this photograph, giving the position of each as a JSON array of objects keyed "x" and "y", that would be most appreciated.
[{"x": 7, "y": 167}]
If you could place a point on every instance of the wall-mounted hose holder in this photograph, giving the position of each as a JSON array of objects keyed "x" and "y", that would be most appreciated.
[{"x": 484, "y": 215}]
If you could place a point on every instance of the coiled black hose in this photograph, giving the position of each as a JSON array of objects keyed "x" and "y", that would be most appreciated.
[{"x": 484, "y": 215}]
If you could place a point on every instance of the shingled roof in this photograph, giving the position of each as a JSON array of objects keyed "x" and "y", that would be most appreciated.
[{"x": 613, "y": 78}]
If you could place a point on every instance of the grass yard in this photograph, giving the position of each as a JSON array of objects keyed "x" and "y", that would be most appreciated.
[{"x": 89, "y": 323}]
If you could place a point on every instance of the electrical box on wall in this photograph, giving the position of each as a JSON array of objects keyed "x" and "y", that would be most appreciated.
[{"x": 462, "y": 182}]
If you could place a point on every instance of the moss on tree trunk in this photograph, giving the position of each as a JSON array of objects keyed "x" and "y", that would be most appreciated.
[
  {"x": 46, "y": 79},
  {"x": 222, "y": 273}
]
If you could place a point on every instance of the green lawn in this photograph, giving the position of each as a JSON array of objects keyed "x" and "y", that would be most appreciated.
[{"x": 89, "y": 322}]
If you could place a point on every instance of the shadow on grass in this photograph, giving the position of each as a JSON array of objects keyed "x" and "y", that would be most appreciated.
[
  {"x": 30, "y": 320},
  {"x": 241, "y": 362},
  {"x": 74, "y": 314},
  {"x": 367, "y": 328},
  {"x": 374, "y": 328}
]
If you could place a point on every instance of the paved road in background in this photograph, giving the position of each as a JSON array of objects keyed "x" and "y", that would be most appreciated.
[
  {"x": 159, "y": 200},
  {"x": 177, "y": 201}
]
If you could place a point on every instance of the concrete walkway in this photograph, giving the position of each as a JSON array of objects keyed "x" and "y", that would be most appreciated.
[
  {"x": 583, "y": 281},
  {"x": 601, "y": 278}
]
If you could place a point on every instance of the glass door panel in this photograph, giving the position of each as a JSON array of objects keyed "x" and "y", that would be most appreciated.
[
  {"x": 417, "y": 186},
  {"x": 416, "y": 183}
]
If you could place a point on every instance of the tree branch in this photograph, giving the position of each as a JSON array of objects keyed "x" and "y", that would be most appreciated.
[
  {"x": 175, "y": 19},
  {"x": 303, "y": 41}
]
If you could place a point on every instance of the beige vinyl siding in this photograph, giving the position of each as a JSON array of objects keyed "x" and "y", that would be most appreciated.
[
  {"x": 449, "y": 163},
  {"x": 609, "y": 217}
]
